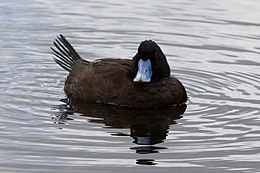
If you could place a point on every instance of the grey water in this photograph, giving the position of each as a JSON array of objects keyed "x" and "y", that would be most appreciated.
[{"x": 213, "y": 48}]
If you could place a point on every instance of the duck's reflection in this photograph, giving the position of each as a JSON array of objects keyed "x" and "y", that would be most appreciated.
[{"x": 147, "y": 127}]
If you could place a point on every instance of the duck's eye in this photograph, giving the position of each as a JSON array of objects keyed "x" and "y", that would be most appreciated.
[{"x": 145, "y": 70}]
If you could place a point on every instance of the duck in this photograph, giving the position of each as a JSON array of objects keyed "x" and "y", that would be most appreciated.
[{"x": 142, "y": 82}]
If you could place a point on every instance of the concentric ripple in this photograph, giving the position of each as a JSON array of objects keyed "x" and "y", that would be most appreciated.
[{"x": 212, "y": 48}]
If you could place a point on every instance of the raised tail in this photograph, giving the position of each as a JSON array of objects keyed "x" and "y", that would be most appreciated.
[{"x": 65, "y": 54}]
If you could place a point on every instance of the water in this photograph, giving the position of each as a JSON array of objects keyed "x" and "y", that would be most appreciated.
[{"x": 213, "y": 47}]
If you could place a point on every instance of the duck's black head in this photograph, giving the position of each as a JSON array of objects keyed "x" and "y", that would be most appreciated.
[{"x": 150, "y": 62}]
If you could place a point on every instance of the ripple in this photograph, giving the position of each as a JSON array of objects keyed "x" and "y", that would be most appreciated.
[{"x": 213, "y": 53}]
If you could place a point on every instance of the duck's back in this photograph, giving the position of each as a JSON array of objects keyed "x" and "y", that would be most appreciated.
[{"x": 110, "y": 81}]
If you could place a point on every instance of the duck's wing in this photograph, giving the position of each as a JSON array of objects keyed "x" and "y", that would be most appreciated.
[
  {"x": 101, "y": 81},
  {"x": 113, "y": 69}
]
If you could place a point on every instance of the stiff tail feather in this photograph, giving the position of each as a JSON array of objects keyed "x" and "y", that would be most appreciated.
[{"x": 65, "y": 54}]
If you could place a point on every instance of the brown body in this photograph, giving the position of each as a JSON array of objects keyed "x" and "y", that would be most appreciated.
[{"x": 109, "y": 81}]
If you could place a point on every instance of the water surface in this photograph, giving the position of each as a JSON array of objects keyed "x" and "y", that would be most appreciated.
[{"x": 212, "y": 47}]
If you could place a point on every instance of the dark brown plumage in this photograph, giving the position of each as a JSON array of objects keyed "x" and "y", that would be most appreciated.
[{"x": 110, "y": 81}]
